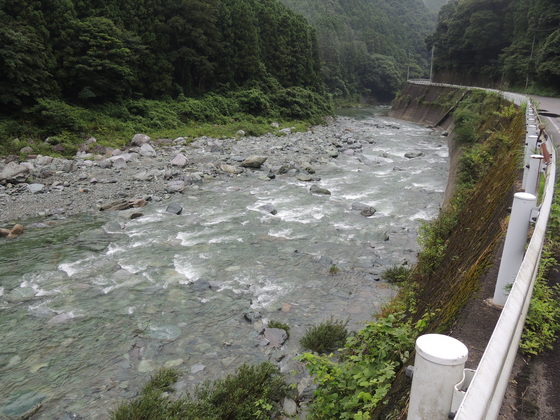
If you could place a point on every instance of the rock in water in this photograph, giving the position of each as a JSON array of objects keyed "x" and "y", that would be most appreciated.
[
  {"x": 230, "y": 169},
  {"x": 315, "y": 189},
  {"x": 174, "y": 208},
  {"x": 412, "y": 155},
  {"x": 254, "y": 161},
  {"x": 275, "y": 336},
  {"x": 268, "y": 208},
  {"x": 364, "y": 209}
]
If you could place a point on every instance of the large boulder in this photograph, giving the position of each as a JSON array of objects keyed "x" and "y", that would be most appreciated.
[
  {"x": 315, "y": 189},
  {"x": 254, "y": 161},
  {"x": 147, "y": 151},
  {"x": 14, "y": 171},
  {"x": 276, "y": 336},
  {"x": 180, "y": 160},
  {"x": 177, "y": 186},
  {"x": 174, "y": 208},
  {"x": 139, "y": 139}
]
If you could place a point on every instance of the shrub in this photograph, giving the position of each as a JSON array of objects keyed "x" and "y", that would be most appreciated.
[
  {"x": 475, "y": 163},
  {"x": 353, "y": 387},
  {"x": 325, "y": 337},
  {"x": 54, "y": 116},
  {"x": 466, "y": 125},
  {"x": 252, "y": 392},
  {"x": 396, "y": 274},
  {"x": 333, "y": 269}
]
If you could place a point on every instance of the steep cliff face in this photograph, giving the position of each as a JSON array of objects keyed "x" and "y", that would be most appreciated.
[{"x": 426, "y": 104}]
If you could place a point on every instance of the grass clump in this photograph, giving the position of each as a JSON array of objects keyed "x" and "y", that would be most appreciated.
[
  {"x": 334, "y": 270},
  {"x": 396, "y": 274},
  {"x": 252, "y": 392},
  {"x": 542, "y": 326},
  {"x": 326, "y": 337}
]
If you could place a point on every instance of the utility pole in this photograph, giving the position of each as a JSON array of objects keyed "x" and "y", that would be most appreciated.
[
  {"x": 432, "y": 63},
  {"x": 407, "y": 65}
]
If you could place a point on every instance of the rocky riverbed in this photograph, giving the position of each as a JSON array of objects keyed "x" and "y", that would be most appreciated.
[
  {"x": 263, "y": 222},
  {"x": 100, "y": 178}
]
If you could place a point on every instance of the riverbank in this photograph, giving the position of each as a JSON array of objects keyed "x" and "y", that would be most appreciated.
[{"x": 153, "y": 170}]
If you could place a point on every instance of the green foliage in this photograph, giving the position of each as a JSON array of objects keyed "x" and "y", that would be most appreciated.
[
  {"x": 325, "y": 337},
  {"x": 542, "y": 326},
  {"x": 355, "y": 385},
  {"x": 432, "y": 237},
  {"x": 364, "y": 48},
  {"x": 396, "y": 274},
  {"x": 466, "y": 125},
  {"x": 253, "y": 392},
  {"x": 113, "y": 124},
  {"x": 499, "y": 42},
  {"x": 333, "y": 270},
  {"x": 98, "y": 52},
  {"x": 54, "y": 116},
  {"x": 475, "y": 162}
]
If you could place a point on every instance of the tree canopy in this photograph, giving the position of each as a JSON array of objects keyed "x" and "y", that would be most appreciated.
[
  {"x": 507, "y": 42},
  {"x": 369, "y": 47},
  {"x": 89, "y": 52}
]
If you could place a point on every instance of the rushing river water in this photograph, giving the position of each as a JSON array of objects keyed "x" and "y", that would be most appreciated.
[{"x": 88, "y": 314}]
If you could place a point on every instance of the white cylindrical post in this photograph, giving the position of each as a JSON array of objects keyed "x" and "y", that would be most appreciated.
[
  {"x": 530, "y": 148},
  {"x": 533, "y": 129},
  {"x": 438, "y": 367},
  {"x": 535, "y": 166},
  {"x": 514, "y": 245}
]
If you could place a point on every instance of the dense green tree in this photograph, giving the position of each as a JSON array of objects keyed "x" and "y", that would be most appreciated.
[
  {"x": 98, "y": 61},
  {"x": 26, "y": 64},
  {"x": 499, "y": 42}
]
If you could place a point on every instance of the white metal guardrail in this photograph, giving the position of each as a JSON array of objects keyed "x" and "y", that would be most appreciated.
[
  {"x": 439, "y": 393},
  {"x": 485, "y": 394}
]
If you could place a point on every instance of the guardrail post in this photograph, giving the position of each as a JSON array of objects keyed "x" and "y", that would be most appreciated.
[
  {"x": 531, "y": 144},
  {"x": 535, "y": 166},
  {"x": 514, "y": 246},
  {"x": 438, "y": 367}
]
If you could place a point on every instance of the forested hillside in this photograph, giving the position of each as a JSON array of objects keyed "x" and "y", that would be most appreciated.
[
  {"x": 367, "y": 47},
  {"x": 434, "y": 5},
  {"x": 97, "y": 51},
  {"x": 80, "y": 67},
  {"x": 513, "y": 43}
]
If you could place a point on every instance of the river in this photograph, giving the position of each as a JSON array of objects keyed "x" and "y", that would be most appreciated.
[{"x": 88, "y": 314}]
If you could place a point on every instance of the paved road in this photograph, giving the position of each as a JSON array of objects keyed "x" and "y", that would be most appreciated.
[{"x": 549, "y": 108}]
